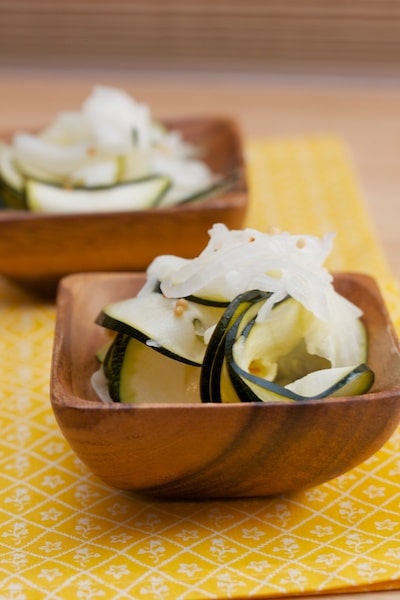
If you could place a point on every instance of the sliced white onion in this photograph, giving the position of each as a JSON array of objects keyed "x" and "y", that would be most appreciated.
[
  {"x": 100, "y": 385},
  {"x": 171, "y": 142},
  {"x": 77, "y": 147},
  {"x": 68, "y": 128},
  {"x": 160, "y": 269},
  {"x": 101, "y": 173},
  {"x": 235, "y": 261},
  {"x": 114, "y": 107},
  {"x": 41, "y": 154},
  {"x": 186, "y": 173}
]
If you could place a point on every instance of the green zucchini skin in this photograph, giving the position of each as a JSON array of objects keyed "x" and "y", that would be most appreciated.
[
  {"x": 33, "y": 183},
  {"x": 215, "y": 352},
  {"x": 152, "y": 320},
  {"x": 24, "y": 199},
  {"x": 112, "y": 365},
  {"x": 128, "y": 195},
  {"x": 222, "y": 186},
  {"x": 135, "y": 373},
  {"x": 11, "y": 197},
  {"x": 221, "y": 378},
  {"x": 131, "y": 332},
  {"x": 355, "y": 379},
  {"x": 207, "y": 301},
  {"x": 197, "y": 299}
]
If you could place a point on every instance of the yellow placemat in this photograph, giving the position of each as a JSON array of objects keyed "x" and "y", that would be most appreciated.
[{"x": 65, "y": 535}]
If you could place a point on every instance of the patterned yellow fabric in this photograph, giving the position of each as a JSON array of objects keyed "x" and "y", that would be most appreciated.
[{"x": 66, "y": 535}]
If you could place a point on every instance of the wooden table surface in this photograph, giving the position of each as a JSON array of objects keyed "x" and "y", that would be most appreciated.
[{"x": 363, "y": 112}]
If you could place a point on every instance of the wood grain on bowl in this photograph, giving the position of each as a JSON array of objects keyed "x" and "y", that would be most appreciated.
[
  {"x": 216, "y": 450},
  {"x": 38, "y": 249}
]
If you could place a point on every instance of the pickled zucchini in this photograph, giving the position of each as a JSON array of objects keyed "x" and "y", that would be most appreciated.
[{"x": 254, "y": 318}]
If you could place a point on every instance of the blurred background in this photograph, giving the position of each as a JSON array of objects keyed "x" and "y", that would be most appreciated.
[{"x": 259, "y": 36}]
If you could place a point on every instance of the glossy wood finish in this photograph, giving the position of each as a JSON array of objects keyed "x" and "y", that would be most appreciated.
[
  {"x": 205, "y": 450},
  {"x": 37, "y": 249}
]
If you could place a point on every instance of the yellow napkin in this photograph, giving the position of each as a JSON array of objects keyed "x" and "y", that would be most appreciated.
[{"x": 66, "y": 535}]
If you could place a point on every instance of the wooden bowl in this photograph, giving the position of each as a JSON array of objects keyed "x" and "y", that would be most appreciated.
[
  {"x": 215, "y": 450},
  {"x": 36, "y": 249}
]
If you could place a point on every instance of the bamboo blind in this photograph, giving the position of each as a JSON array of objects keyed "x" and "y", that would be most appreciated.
[{"x": 212, "y": 34}]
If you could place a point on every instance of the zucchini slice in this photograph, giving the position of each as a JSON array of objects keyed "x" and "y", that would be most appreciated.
[
  {"x": 182, "y": 195},
  {"x": 135, "y": 195},
  {"x": 135, "y": 372},
  {"x": 269, "y": 361},
  {"x": 339, "y": 381},
  {"x": 197, "y": 299},
  {"x": 12, "y": 198},
  {"x": 214, "y": 356},
  {"x": 172, "y": 326}
]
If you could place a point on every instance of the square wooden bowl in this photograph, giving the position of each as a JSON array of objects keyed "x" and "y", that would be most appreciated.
[
  {"x": 215, "y": 450},
  {"x": 37, "y": 249}
]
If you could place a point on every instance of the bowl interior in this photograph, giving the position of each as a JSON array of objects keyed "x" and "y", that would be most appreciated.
[
  {"x": 205, "y": 450},
  {"x": 82, "y": 296}
]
